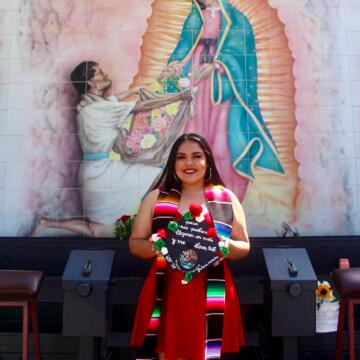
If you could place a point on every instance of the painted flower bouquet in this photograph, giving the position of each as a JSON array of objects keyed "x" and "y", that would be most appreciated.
[
  {"x": 147, "y": 137},
  {"x": 124, "y": 226},
  {"x": 175, "y": 83},
  {"x": 147, "y": 128},
  {"x": 327, "y": 306},
  {"x": 190, "y": 244}
]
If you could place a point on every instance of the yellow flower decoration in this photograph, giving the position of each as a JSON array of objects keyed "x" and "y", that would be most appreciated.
[
  {"x": 172, "y": 108},
  {"x": 147, "y": 141},
  {"x": 156, "y": 113},
  {"x": 127, "y": 123},
  {"x": 114, "y": 156},
  {"x": 156, "y": 86},
  {"x": 323, "y": 291}
]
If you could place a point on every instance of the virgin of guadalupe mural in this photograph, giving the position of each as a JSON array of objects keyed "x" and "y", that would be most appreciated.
[{"x": 235, "y": 54}]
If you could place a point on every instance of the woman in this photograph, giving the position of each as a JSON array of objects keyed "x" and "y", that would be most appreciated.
[
  {"x": 216, "y": 49},
  {"x": 185, "y": 323}
]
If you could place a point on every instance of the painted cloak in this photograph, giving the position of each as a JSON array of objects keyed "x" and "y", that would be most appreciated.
[{"x": 249, "y": 140}]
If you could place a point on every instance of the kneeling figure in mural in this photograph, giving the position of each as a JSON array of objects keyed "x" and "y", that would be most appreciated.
[{"x": 123, "y": 144}]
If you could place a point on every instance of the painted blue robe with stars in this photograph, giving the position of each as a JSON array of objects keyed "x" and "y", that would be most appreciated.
[{"x": 249, "y": 140}]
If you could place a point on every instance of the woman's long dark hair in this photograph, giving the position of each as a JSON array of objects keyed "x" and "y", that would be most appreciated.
[{"x": 167, "y": 179}]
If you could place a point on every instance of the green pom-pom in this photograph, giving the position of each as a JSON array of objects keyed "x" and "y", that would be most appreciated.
[
  {"x": 159, "y": 244},
  {"x": 224, "y": 250},
  {"x": 188, "y": 276},
  {"x": 187, "y": 216},
  {"x": 173, "y": 226}
]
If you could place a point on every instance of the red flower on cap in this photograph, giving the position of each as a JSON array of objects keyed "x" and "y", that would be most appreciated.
[
  {"x": 125, "y": 218},
  {"x": 162, "y": 233},
  {"x": 211, "y": 232},
  {"x": 195, "y": 210},
  {"x": 209, "y": 219}
]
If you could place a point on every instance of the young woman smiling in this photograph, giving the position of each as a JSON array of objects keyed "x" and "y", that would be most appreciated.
[{"x": 173, "y": 319}]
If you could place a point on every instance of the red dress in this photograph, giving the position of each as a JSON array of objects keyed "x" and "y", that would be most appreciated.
[{"x": 182, "y": 324}]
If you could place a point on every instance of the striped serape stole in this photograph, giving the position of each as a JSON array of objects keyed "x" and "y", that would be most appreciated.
[
  {"x": 164, "y": 211},
  {"x": 215, "y": 307},
  {"x": 220, "y": 207},
  {"x": 147, "y": 351}
]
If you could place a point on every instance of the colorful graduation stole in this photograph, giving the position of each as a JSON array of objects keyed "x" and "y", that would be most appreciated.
[{"x": 165, "y": 210}]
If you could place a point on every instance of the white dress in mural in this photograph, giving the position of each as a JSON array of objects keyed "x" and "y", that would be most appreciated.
[{"x": 109, "y": 188}]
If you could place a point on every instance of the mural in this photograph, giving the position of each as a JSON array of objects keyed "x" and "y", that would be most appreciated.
[{"x": 93, "y": 94}]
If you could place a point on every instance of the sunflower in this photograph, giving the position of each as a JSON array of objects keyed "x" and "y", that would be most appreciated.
[{"x": 324, "y": 291}]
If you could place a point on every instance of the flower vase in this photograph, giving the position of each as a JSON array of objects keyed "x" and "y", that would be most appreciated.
[{"x": 327, "y": 317}]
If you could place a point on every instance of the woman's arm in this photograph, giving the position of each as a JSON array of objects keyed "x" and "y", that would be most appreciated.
[
  {"x": 139, "y": 243},
  {"x": 239, "y": 244}
]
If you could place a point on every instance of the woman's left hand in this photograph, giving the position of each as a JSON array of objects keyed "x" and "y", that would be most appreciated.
[{"x": 226, "y": 243}]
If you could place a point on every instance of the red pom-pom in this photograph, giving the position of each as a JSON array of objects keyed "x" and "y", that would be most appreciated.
[
  {"x": 212, "y": 232},
  {"x": 162, "y": 233},
  {"x": 195, "y": 210},
  {"x": 125, "y": 218},
  {"x": 209, "y": 219}
]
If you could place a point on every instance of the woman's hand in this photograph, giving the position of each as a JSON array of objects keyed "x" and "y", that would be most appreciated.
[
  {"x": 156, "y": 252},
  {"x": 153, "y": 239},
  {"x": 204, "y": 71},
  {"x": 168, "y": 72},
  {"x": 226, "y": 242}
]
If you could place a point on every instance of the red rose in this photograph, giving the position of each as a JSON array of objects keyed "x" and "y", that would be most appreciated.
[
  {"x": 212, "y": 232},
  {"x": 195, "y": 210},
  {"x": 125, "y": 218},
  {"x": 162, "y": 233},
  {"x": 209, "y": 219}
]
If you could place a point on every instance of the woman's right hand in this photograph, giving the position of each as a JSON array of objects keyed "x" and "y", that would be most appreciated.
[
  {"x": 168, "y": 72},
  {"x": 156, "y": 252},
  {"x": 203, "y": 72},
  {"x": 152, "y": 240}
]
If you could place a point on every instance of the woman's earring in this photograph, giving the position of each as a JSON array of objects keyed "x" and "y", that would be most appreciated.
[{"x": 209, "y": 177}]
